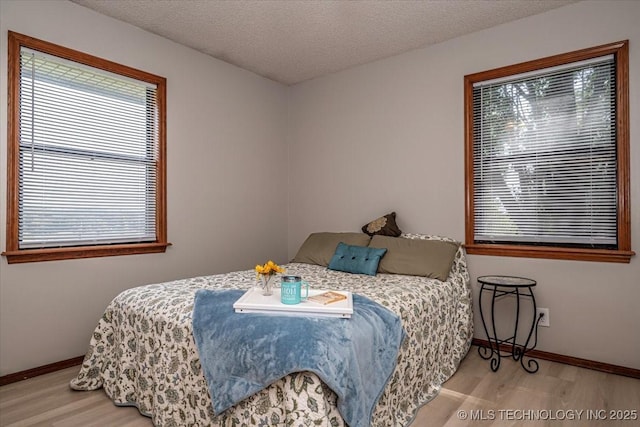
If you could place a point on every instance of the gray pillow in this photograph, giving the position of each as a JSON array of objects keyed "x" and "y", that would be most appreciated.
[
  {"x": 416, "y": 257},
  {"x": 319, "y": 247}
]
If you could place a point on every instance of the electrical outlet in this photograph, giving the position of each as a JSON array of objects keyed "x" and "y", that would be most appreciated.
[{"x": 545, "y": 316}]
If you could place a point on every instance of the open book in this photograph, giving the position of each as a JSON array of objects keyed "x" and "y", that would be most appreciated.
[{"x": 327, "y": 297}]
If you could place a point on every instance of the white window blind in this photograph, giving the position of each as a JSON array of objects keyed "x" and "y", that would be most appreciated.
[
  {"x": 544, "y": 157},
  {"x": 88, "y": 151}
]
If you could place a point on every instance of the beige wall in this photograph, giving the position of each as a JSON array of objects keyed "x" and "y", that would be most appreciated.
[
  {"x": 389, "y": 136},
  {"x": 226, "y": 141},
  {"x": 380, "y": 137}
]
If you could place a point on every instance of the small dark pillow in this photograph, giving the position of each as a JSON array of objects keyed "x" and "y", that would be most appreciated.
[
  {"x": 356, "y": 259},
  {"x": 383, "y": 226}
]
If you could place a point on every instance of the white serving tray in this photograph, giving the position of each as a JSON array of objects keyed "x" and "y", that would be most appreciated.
[{"x": 254, "y": 302}]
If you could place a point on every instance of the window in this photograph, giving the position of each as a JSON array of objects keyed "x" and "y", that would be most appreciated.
[
  {"x": 547, "y": 157},
  {"x": 86, "y": 173}
]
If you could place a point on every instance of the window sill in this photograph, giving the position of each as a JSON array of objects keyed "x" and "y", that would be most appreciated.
[
  {"x": 54, "y": 254},
  {"x": 601, "y": 255}
]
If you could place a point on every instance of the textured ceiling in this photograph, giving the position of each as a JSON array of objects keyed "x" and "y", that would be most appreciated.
[{"x": 290, "y": 41}]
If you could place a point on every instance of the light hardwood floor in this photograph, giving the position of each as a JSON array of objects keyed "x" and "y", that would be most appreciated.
[{"x": 510, "y": 397}]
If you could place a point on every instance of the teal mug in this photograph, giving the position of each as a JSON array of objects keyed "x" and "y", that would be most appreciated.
[{"x": 291, "y": 290}]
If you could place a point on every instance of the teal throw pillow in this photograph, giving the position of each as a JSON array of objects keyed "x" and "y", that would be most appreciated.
[{"x": 356, "y": 259}]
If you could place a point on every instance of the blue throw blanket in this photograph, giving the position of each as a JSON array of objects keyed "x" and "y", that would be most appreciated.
[{"x": 242, "y": 353}]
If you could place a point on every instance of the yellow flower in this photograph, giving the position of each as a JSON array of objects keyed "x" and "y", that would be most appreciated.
[{"x": 268, "y": 268}]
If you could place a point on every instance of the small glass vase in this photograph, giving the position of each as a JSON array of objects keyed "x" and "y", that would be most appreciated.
[{"x": 267, "y": 284}]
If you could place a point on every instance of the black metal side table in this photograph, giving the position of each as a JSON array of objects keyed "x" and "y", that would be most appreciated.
[{"x": 520, "y": 287}]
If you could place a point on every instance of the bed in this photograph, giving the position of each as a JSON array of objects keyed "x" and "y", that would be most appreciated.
[{"x": 143, "y": 352}]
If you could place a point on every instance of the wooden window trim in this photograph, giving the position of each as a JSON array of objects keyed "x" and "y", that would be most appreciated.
[
  {"x": 623, "y": 253},
  {"x": 13, "y": 253}
]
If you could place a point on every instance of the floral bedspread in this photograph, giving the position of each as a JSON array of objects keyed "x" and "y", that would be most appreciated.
[{"x": 143, "y": 351}]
